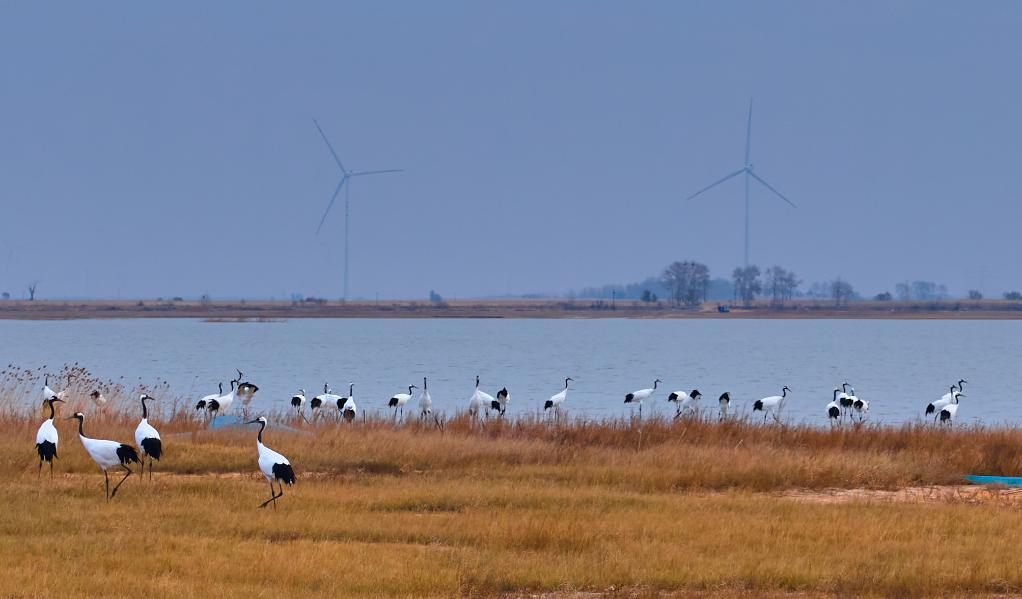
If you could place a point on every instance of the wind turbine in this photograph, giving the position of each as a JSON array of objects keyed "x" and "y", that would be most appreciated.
[
  {"x": 746, "y": 170},
  {"x": 345, "y": 176}
]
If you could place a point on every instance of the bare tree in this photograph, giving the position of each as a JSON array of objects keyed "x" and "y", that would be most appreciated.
[
  {"x": 687, "y": 281},
  {"x": 747, "y": 283},
  {"x": 781, "y": 284},
  {"x": 841, "y": 291},
  {"x": 31, "y": 290}
]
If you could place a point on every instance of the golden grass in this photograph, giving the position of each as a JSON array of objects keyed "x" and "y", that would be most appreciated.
[{"x": 510, "y": 508}]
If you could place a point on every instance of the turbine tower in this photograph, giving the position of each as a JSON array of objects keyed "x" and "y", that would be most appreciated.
[
  {"x": 345, "y": 176},
  {"x": 748, "y": 171}
]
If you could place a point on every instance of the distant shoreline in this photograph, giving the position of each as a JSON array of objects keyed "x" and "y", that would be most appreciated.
[{"x": 264, "y": 310}]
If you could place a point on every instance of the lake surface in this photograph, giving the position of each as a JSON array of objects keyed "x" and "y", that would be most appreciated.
[{"x": 898, "y": 365}]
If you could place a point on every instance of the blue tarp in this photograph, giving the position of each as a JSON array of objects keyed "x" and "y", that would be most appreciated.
[{"x": 1007, "y": 481}]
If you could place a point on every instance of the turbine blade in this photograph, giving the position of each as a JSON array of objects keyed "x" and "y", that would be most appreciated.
[
  {"x": 392, "y": 170},
  {"x": 716, "y": 183},
  {"x": 767, "y": 185},
  {"x": 338, "y": 160},
  {"x": 748, "y": 136},
  {"x": 333, "y": 198}
]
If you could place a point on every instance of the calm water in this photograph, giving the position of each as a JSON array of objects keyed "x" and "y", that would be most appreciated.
[{"x": 897, "y": 365}]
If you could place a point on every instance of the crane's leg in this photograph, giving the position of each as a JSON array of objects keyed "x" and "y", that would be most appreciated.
[
  {"x": 107, "y": 478},
  {"x": 40, "y": 467},
  {"x": 150, "y": 469},
  {"x": 127, "y": 473},
  {"x": 141, "y": 471},
  {"x": 273, "y": 497},
  {"x": 51, "y": 468}
]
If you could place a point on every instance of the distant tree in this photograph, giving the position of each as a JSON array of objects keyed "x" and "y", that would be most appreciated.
[
  {"x": 920, "y": 291},
  {"x": 434, "y": 296},
  {"x": 781, "y": 284},
  {"x": 687, "y": 282},
  {"x": 31, "y": 291},
  {"x": 975, "y": 295},
  {"x": 5, "y": 295},
  {"x": 819, "y": 289},
  {"x": 747, "y": 283},
  {"x": 647, "y": 296},
  {"x": 1013, "y": 296},
  {"x": 841, "y": 291},
  {"x": 883, "y": 297}
]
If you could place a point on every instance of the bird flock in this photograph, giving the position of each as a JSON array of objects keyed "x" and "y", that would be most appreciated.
[{"x": 845, "y": 406}]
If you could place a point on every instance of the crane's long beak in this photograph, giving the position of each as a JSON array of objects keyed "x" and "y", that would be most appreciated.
[{"x": 252, "y": 422}]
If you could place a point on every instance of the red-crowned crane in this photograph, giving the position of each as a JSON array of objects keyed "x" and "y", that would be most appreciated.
[{"x": 274, "y": 466}]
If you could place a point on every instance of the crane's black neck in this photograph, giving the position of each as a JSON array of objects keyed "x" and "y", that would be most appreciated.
[
  {"x": 351, "y": 389},
  {"x": 835, "y": 394},
  {"x": 423, "y": 384},
  {"x": 655, "y": 383},
  {"x": 221, "y": 386},
  {"x": 81, "y": 427},
  {"x": 477, "y": 382},
  {"x": 566, "y": 383},
  {"x": 262, "y": 425},
  {"x": 52, "y": 411},
  {"x": 410, "y": 389},
  {"x": 145, "y": 410}
]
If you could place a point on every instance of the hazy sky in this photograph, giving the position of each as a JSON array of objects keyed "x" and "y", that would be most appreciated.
[{"x": 169, "y": 149}]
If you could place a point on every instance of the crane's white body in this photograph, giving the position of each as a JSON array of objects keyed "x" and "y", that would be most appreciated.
[
  {"x": 480, "y": 402},
  {"x": 861, "y": 406},
  {"x": 949, "y": 399},
  {"x": 948, "y": 414},
  {"x": 268, "y": 459},
  {"x": 144, "y": 431},
  {"x": 47, "y": 433},
  {"x": 685, "y": 401},
  {"x": 771, "y": 405},
  {"x": 349, "y": 409},
  {"x": 102, "y": 451},
  {"x": 298, "y": 399},
  {"x": 425, "y": 400},
  {"x": 557, "y": 399},
  {"x": 724, "y": 403},
  {"x": 833, "y": 411}
]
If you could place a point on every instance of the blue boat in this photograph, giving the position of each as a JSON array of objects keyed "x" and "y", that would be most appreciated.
[{"x": 1007, "y": 481}]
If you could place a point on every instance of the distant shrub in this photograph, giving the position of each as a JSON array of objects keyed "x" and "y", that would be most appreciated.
[
  {"x": 434, "y": 296},
  {"x": 883, "y": 297},
  {"x": 975, "y": 295},
  {"x": 1013, "y": 296}
]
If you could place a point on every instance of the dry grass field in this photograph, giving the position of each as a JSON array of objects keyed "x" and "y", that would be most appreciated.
[{"x": 517, "y": 508}]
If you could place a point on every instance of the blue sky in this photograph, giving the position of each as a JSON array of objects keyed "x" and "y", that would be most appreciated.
[{"x": 159, "y": 150}]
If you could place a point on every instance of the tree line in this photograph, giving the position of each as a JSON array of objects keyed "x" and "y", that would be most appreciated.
[{"x": 687, "y": 282}]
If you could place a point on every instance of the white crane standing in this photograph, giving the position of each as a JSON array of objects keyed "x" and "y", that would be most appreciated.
[
  {"x": 398, "y": 401},
  {"x": 273, "y": 465},
  {"x": 46, "y": 438},
  {"x": 425, "y": 401},
  {"x": 772, "y": 404},
  {"x": 557, "y": 399},
  {"x": 107, "y": 454},
  {"x": 641, "y": 395},
  {"x": 148, "y": 439}
]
